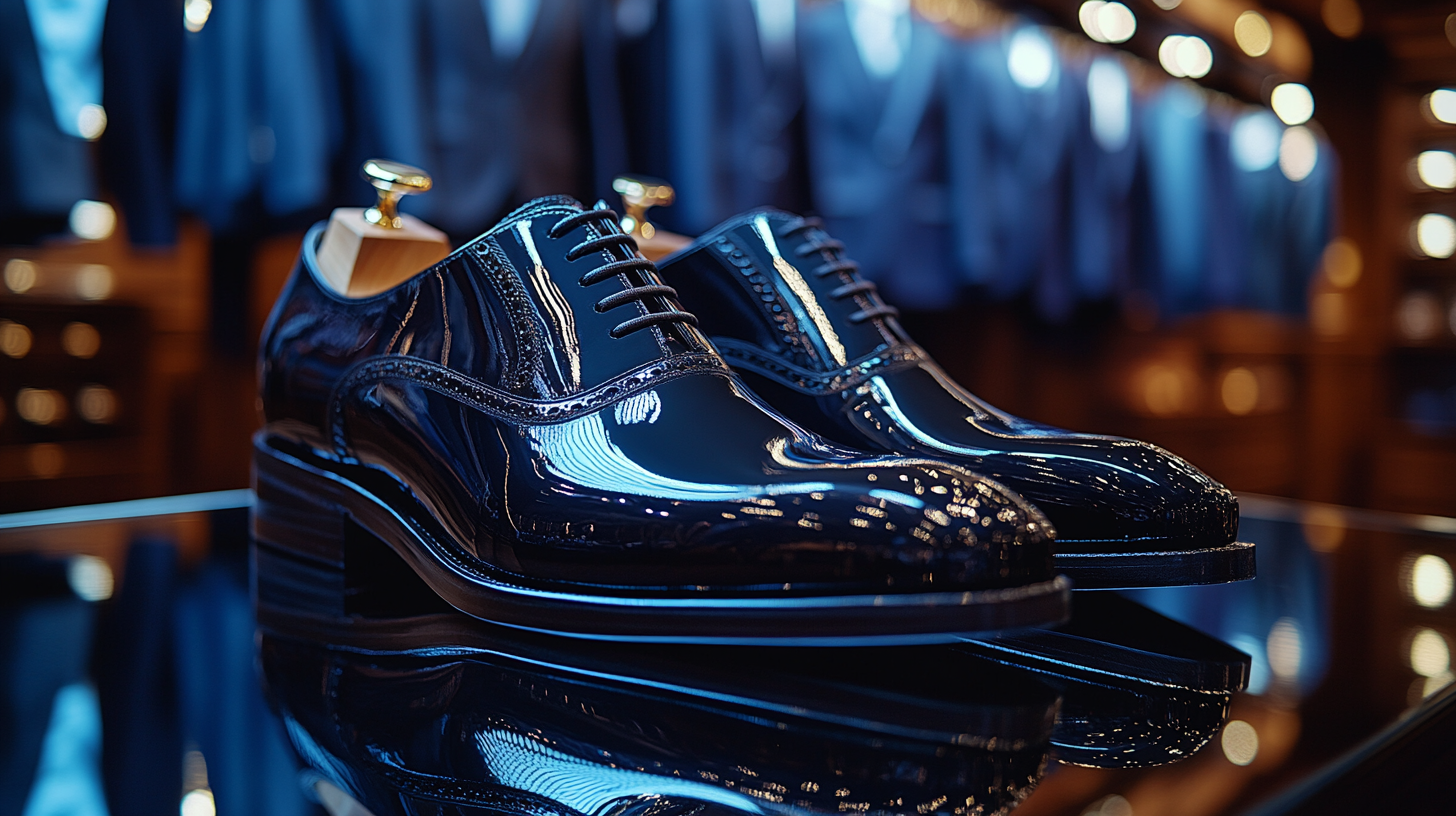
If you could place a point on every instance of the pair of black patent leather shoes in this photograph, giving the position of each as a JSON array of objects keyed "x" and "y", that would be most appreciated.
[{"x": 544, "y": 434}]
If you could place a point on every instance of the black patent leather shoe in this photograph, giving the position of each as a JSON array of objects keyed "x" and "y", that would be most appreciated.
[
  {"x": 791, "y": 314},
  {"x": 516, "y": 723},
  {"x": 543, "y": 435}
]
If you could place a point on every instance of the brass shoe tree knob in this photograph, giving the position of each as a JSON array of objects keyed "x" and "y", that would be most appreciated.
[
  {"x": 640, "y": 194},
  {"x": 393, "y": 181}
]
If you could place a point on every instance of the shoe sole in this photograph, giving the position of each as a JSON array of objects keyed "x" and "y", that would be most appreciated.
[
  {"x": 1140, "y": 570},
  {"x": 319, "y": 538}
]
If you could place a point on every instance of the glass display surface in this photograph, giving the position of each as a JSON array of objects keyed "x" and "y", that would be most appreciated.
[{"x": 139, "y": 676}]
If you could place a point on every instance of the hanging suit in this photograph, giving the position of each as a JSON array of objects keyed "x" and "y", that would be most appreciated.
[
  {"x": 877, "y": 156},
  {"x": 492, "y": 129},
  {"x": 1010, "y": 147},
  {"x": 31, "y": 144},
  {"x": 1104, "y": 166},
  {"x": 1175, "y": 155}
]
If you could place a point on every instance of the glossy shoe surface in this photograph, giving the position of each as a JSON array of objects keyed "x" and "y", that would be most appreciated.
[
  {"x": 513, "y": 722},
  {"x": 544, "y": 436},
  {"x": 791, "y": 314}
]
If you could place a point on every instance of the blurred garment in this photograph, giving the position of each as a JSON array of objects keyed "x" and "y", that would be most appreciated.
[
  {"x": 711, "y": 100},
  {"x": 1174, "y": 134},
  {"x": 877, "y": 159},
  {"x": 46, "y": 170},
  {"x": 1013, "y": 114},
  {"x": 1105, "y": 144},
  {"x": 141, "y": 53},
  {"x": 43, "y": 648},
  {"x": 493, "y": 129},
  {"x": 258, "y": 118}
]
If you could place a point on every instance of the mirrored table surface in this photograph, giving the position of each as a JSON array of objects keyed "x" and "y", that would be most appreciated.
[{"x": 144, "y": 671}]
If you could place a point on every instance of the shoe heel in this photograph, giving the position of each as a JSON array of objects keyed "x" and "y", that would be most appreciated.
[
  {"x": 309, "y": 556},
  {"x": 298, "y": 540}
]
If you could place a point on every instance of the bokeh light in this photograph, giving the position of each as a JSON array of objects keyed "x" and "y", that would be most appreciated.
[
  {"x": 96, "y": 404},
  {"x": 15, "y": 339},
  {"x": 1442, "y": 104},
  {"x": 80, "y": 340},
  {"x": 1253, "y": 33},
  {"x": 195, "y": 14},
  {"x": 1030, "y": 58},
  {"x": 1110, "y": 96},
  {"x": 1298, "y": 153},
  {"x": 1240, "y": 391},
  {"x": 92, "y": 220},
  {"x": 1342, "y": 262},
  {"x": 1185, "y": 56},
  {"x": 1292, "y": 103},
  {"x": 1429, "y": 654},
  {"x": 1435, "y": 235},
  {"x": 1107, "y": 22},
  {"x": 40, "y": 406},
  {"x": 1418, "y": 316},
  {"x": 1240, "y": 742},
  {"x": 1254, "y": 141},
  {"x": 90, "y": 578},
  {"x": 1342, "y": 18},
  {"x": 1285, "y": 648},
  {"x": 1437, "y": 169},
  {"x": 91, "y": 121},
  {"x": 20, "y": 275},
  {"x": 1428, "y": 581}
]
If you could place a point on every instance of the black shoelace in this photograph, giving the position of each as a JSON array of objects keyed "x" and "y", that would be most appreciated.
[
  {"x": 611, "y": 238},
  {"x": 822, "y": 244}
]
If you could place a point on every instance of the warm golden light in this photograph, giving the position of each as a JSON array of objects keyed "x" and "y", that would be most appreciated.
[
  {"x": 15, "y": 339},
  {"x": 1323, "y": 527},
  {"x": 1437, "y": 169},
  {"x": 1342, "y": 18},
  {"x": 1429, "y": 654},
  {"x": 1164, "y": 390},
  {"x": 46, "y": 460},
  {"x": 1253, "y": 34},
  {"x": 1298, "y": 153},
  {"x": 1342, "y": 263},
  {"x": 1240, "y": 391},
  {"x": 1292, "y": 103},
  {"x": 94, "y": 282},
  {"x": 96, "y": 404},
  {"x": 20, "y": 275},
  {"x": 1419, "y": 316},
  {"x": 1428, "y": 581},
  {"x": 81, "y": 340},
  {"x": 40, "y": 406},
  {"x": 1240, "y": 742},
  {"x": 1435, "y": 235}
]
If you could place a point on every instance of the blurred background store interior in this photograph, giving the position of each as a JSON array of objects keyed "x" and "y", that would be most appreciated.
[{"x": 1220, "y": 226}]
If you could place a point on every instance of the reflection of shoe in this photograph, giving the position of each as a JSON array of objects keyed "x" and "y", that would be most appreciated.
[
  {"x": 791, "y": 314},
  {"x": 509, "y": 721},
  {"x": 549, "y": 442},
  {"x": 1137, "y": 688}
]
